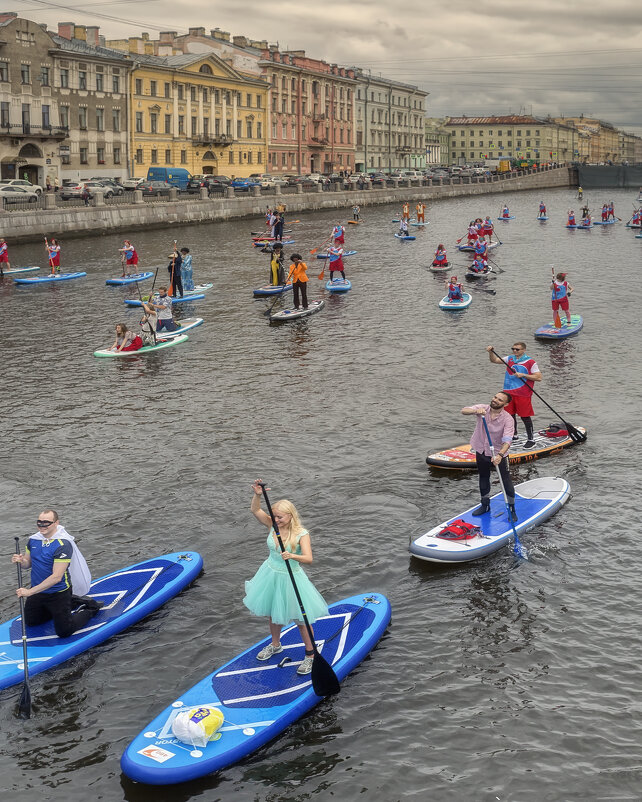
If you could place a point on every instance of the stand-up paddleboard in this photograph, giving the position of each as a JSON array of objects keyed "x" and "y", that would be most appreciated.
[
  {"x": 353, "y": 222},
  {"x": 198, "y": 289},
  {"x": 130, "y": 279},
  {"x": 583, "y": 227},
  {"x": 396, "y": 220},
  {"x": 15, "y": 270},
  {"x": 338, "y": 285},
  {"x": 128, "y": 595},
  {"x": 484, "y": 274},
  {"x": 420, "y": 224},
  {"x": 463, "y": 458},
  {"x": 44, "y": 279},
  {"x": 454, "y": 305},
  {"x": 634, "y": 225},
  {"x": 604, "y": 222},
  {"x": 327, "y": 255},
  {"x": 489, "y": 247},
  {"x": 405, "y": 236},
  {"x": 510, "y": 217},
  {"x": 170, "y": 339},
  {"x": 185, "y": 299},
  {"x": 638, "y": 236},
  {"x": 571, "y": 225},
  {"x": 186, "y": 324},
  {"x": 271, "y": 289},
  {"x": 259, "y": 243},
  {"x": 550, "y": 332},
  {"x": 258, "y": 700},
  {"x": 542, "y": 217},
  {"x": 295, "y": 314},
  {"x": 535, "y": 501},
  {"x": 259, "y": 236},
  {"x": 437, "y": 266}
]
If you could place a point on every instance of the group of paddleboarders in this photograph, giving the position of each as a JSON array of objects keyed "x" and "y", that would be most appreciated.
[
  {"x": 420, "y": 211},
  {"x": 479, "y": 229}
]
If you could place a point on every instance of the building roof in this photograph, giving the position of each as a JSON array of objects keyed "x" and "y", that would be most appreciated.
[
  {"x": 186, "y": 59},
  {"x": 378, "y": 79},
  {"x": 80, "y": 47},
  {"x": 509, "y": 119}
]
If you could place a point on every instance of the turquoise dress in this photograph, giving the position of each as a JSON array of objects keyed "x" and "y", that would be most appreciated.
[{"x": 270, "y": 592}]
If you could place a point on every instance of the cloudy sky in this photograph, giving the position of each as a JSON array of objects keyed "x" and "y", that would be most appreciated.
[{"x": 474, "y": 57}]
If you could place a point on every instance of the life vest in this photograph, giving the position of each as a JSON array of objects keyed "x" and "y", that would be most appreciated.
[
  {"x": 505, "y": 212},
  {"x": 478, "y": 266},
  {"x": 454, "y": 292},
  {"x": 487, "y": 227},
  {"x": 554, "y": 430},
  {"x": 514, "y": 384},
  {"x": 480, "y": 247},
  {"x": 459, "y": 530},
  {"x": 571, "y": 220},
  {"x": 542, "y": 208},
  {"x": 440, "y": 256},
  {"x": 559, "y": 290}
]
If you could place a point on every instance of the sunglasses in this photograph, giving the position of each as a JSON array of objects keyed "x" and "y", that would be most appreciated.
[
  {"x": 44, "y": 523},
  {"x": 516, "y": 349}
]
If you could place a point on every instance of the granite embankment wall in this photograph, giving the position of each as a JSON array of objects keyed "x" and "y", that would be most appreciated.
[{"x": 100, "y": 218}]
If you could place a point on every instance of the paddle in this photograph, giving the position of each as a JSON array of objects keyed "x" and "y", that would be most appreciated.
[
  {"x": 575, "y": 435},
  {"x": 518, "y": 549},
  {"x": 556, "y": 312},
  {"x": 325, "y": 262},
  {"x": 268, "y": 311},
  {"x": 314, "y": 250},
  {"x": 50, "y": 257},
  {"x": 495, "y": 265},
  {"x": 324, "y": 680},
  {"x": 170, "y": 291},
  {"x": 24, "y": 705},
  {"x": 151, "y": 328}
]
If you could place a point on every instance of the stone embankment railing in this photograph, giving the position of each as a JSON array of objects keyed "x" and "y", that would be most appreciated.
[{"x": 50, "y": 218}]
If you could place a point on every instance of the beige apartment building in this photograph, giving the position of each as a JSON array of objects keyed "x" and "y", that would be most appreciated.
[
  {"x": 601, "y": 140},
  {"x": 539, "y": 139}
]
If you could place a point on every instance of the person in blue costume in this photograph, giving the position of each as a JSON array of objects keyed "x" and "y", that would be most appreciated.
[
  {"x": 270, "y": 592},
  {"x": 49, "y": 556},
  {"x": 187, "y": 277},
  {"x": 454, "y": 289}
]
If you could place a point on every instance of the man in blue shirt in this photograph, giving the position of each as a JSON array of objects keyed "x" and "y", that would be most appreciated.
[{"x": 50, "y": 596}]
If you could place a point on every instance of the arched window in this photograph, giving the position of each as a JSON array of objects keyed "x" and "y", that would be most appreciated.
[{"x": 206, "y": 69}]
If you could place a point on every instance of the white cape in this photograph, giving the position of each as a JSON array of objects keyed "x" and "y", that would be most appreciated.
[{"x": 78, "y": 568}]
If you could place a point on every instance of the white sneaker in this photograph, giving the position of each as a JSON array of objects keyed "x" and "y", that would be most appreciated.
[
  {"x": 306, "y": 666},
  {"x": 268, "y": 651}
]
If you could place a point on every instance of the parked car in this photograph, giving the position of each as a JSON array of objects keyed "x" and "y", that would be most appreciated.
[
  {"x": 196, "y": 183},
  {"x": 76, "y": 190},
  {"x": 279, "y": 181},
  {"x": 378, "y": 179},
  {"x": 244, "y": 184},
  {"x": 21, "y": 182},
  {"x": 265, "y": 182},
  {"x": 359, "y": 178},
  {"x": 16, "y": 194},
  {"x": 155, "y": 188},
  {"x": 132, "y": 183},
  {"x": 115, "y": 185}
]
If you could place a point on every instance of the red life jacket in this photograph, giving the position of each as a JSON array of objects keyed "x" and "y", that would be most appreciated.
[{"x": 459, "y": 530}]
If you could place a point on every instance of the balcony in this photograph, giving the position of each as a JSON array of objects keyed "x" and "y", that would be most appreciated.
[
  {"x": 319, "y": 117},
  {"x": 317, "y": 142},
  {"x": 404, "y": 149},
  {"x": 21, "y": 130},
  {"x": 209, "y": 140}
]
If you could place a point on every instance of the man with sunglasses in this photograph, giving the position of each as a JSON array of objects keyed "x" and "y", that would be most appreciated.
[
  {"x": 50, "y": 596},
  {"x": 521, "y": 373}
]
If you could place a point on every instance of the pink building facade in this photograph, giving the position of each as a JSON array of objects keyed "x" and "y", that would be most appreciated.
[{"x": 312, "y": 119}]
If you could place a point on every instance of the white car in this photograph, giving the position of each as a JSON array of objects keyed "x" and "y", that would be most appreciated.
[
  {"x": 266, "y": 181},
  {"x": 132, "y": 183},
  {"x": 21, "y": 182},
  {"x": 16, "y": 194}
]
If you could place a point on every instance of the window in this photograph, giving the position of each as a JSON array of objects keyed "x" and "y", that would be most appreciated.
[
  {"x": 259, "y": 130},
  {"x": 206, "y": 127},
  {"x": 239, "y": 129},
  {"x": 275, "y": 103},
  {"x": 4, "y": 114},
  {"x": 519, "y": 133},
  {"x": 99, "y": 82},
  {"x": 204, "y": 95},
  {"x": 258, "y": 102},
  {"x": 192, "y": 93},
  {"x": 248, "y": 129},
  {"x": 139, "y": 86},
  {"x": 273, "y": 130},
  {"x": 100, "y": 155},
  {"x": 152, "y": 88},
  {"x": 168, "y": 156},
  {"x": 179, "y": 91},
  {"x": 230, "y": 157},
  {"x": 183, "y": 157},
  {"x": 115, "y": 84},
  {"x": 139, "y": 156},
  {"x": 217, "y": 127},
  {"x": 284, "y": 105},
  {"x": 194, "y": 126},
  {"x": 4, "y": 71},
  {"x": 116, "y": 155},
  {"x": 284, "y": 160},
  {"x": 303, "y": 107},
  {"x": 284, "y": 83},
  {"x": 153, "y": 123},
  {"x": 100, "y": 119},
  {"x": 168, "y": 123},
  {"x": 167, "y": 88},
  {"x": 44, "y": 76},
  {"x": 154, "y": 159},
  {"x": 82, "y": 79},
  {"x": 181, "y": 124},
  {"x": 259, "y": 157},
  {"x": 63, "y": 114},
  {"x": 228, "y": 127},
  {"x": 46, "y": 121},
  {"x": 284, "y": 131},
  {"x": 139, "y": 122},
  {"x": 82, "y": 117},
  {"x": 25, "y": 74},
  {"x": 83, "y": 156},
  {"x": 115, "y": 120}
]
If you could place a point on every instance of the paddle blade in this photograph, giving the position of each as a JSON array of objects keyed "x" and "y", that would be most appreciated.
[
  {"x": 324, "y": 680},
  {"x": 24, "y": 705},
  {"x": 518, "y": 549},
  {"x": 313, "y": 251},
  {"x": 556, "y": 319},
  {"x": 321, "y": 274},
  {"x": 575, "y": 434}
]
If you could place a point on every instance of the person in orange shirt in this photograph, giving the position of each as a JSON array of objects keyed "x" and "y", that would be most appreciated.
[
  {"x": 405, "y": 212},
  {"x": 299, "y": 280},
  {"x": 421, "y": 211}
]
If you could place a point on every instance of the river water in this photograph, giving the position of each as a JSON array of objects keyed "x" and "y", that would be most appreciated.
[{"x": 497, "y": 680}]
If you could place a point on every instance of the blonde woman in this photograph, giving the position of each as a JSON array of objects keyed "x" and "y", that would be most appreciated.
[{"x": 270, "y": 592}]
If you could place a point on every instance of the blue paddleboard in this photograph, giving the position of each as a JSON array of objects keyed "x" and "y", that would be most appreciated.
[
  {"x": 130, "y": 279},
  {"x": 258, "y": 699},
  {"x": 263, "y": 243},
  {"x": 44, "y": 279},
  {"x": 603, "y": 222},
  {"x": 15, "y": 270},
  {"x": 327, "y": 256},
  {"x": 405, "y": 236},
  {"x": 550, "y": 332},
  {"x": 471, "y": 248},
  {"x": 510, "y": 217},
  {"x": 455, "y": 305},
  {"x": 129, "y": 595},
  {"x": 585, "y": 228},
  {"x": 196, "y": 297},
  {"x": 535, "y": 501},
  {"x": 544, "y": 217},
  {"x": 338, "y": 285},
  {"x": 270, "y": 289}
]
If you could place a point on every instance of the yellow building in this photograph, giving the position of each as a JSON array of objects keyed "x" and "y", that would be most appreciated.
[
  {"x": 197, "y": 112},
  {"x": 603, "y": 140}
]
